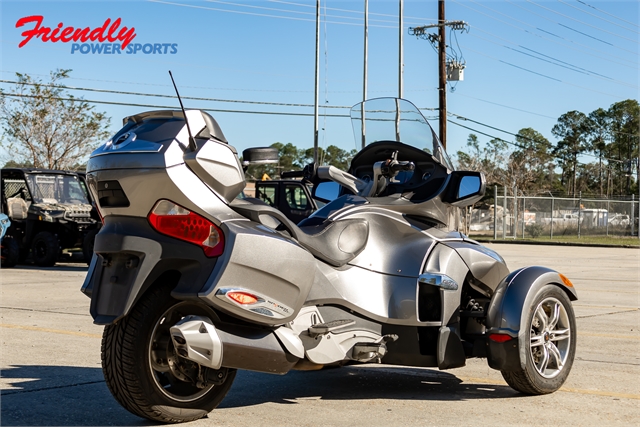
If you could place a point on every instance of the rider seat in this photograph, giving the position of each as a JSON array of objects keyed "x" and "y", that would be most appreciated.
[{"x": 334, "y": 242}]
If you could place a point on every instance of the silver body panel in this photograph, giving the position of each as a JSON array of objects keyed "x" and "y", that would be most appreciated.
[{"x": 260, "y": 261}]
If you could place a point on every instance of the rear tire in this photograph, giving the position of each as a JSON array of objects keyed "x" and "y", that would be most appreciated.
[
  {"x": 550, "y": 343},
  {"x": 10, "y": 252},
  {"x": 139, "y": 363},
  {"x": 45, "y": 249}
]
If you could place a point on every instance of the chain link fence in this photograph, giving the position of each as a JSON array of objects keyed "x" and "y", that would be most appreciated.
[{"x": 554, "y": 217}]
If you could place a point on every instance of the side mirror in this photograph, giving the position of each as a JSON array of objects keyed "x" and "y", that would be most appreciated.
[
  {"x": 260, "y": 156},
  {"x": 326, "y": 191},
  {"x": 465, "y": 188}
]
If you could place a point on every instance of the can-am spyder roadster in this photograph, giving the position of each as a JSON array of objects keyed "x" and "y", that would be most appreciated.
[{"x": 193, "y": 283}]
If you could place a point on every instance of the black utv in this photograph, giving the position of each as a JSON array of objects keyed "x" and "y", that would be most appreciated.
[{"x": 49, "y": 212}]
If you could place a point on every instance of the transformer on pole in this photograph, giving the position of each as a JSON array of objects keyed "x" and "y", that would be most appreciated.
[{"x": 450, "y": 68}]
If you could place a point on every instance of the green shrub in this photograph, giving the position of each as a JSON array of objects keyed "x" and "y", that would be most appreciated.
[{"x": 534, "y": 230}]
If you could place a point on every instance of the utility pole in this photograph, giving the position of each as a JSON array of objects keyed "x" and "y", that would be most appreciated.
[
  {"x": 364, "y": 76},
  {"x": 317, "y": 87},
  {"x": 442, "y": 74},
  {"x": 438, "y": 40},
  {"x": 400, "y": 49}
]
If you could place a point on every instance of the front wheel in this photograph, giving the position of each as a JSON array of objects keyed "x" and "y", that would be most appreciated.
[
  {"x": 145, "y": 374},
  {"x": 45, "y": 249},
  {"x": 550, "y": 343}
]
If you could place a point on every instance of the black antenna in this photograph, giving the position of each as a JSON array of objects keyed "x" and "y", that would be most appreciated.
[{"x": 192, "y": 142}]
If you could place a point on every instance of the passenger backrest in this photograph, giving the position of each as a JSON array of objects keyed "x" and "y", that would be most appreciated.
[{"x": 17, "y": 208}]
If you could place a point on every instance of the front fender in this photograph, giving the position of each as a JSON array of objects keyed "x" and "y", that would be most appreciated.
[{"x": 507, "y": 313}]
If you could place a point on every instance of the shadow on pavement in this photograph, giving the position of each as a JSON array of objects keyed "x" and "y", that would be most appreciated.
[
  {"x": 74, "y": 396},
  {"x": 60, "y": 396},
  {"x": 358, "y": 383}
]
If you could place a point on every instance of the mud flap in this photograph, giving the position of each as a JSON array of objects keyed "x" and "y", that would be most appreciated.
[{"x": 450, "y": 351}]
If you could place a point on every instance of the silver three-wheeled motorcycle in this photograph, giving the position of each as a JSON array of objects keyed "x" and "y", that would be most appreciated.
[{"x": 193, "y": 283}]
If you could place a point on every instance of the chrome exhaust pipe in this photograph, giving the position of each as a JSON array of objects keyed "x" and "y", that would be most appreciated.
[
  {"x": 195, "y": 338},
  {"x": 230, "y": 346}
]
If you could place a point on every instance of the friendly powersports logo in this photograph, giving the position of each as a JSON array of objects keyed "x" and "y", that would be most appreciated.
[{"x": 109, "y": 38}]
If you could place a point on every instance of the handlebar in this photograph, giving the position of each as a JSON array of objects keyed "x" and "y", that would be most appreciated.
[
  {"x": 392, "y": 167},
  {"x": 403, "y": 166}
]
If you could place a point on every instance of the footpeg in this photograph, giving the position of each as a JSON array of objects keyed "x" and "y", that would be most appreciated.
[
  {"x": 325, "y": 328},
  {"x": 369, "y": 351}
]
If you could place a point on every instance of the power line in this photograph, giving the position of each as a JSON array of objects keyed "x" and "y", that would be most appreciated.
[
  {"x": 606, "y": 13},
  {"x": 599, "y": 17},
  {"x": 557, "y": 62},
  {"x": 502, "y": 130},
  {"x": 524, "y": 137},
  {"x": 285, "y": 11},
  {"x": 360, "y": 12},
  {"x": 414, "y": 89},
  {"x": 522, "y": 147},
  {"x": 118, "y": 92},
  {"x": 506, "y": 106},
  {"x": 581, "y": 22},
  {"x": 173, "y": 107},
  {"x": 587, "y": 35},
  {"x": 589, "y": 50},
  {"x": 216, "y": 110},
  {"x": 262, "y": 14},
  {"x": 248, "y": 102},
  {"x": 542, "y": 75},
  {"x": 291, "y": 11}
]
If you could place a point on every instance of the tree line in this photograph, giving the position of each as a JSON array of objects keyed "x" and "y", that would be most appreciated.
[{"x": 535, "y": 166}]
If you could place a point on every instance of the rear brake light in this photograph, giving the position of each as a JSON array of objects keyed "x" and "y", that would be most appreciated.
[
  {"x": 243, "y": 298},
  {"x": 95, "y": 206},
  {"x": 173, "y": 220},
  {"x": 500, "y": 337}
]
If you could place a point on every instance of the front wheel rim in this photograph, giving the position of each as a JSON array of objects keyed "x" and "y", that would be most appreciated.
[{"x": 550, "y": 337}]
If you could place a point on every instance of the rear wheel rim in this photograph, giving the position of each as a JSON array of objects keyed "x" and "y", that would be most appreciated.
[
  {"x": 174, "y": 376},
  {"x": 550, "y": 337}
]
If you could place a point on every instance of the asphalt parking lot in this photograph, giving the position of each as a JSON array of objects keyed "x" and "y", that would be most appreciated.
[{"x": 51, "y": 373}]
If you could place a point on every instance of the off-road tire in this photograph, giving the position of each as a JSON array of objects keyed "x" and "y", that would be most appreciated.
[
  {"x": 125, "y": 353},
  {"x": 529, "y": 380},
  {"x": 45, "y": 249},
  {"x": 87, "y": 245},
  {"x": 10, "y": 252}
]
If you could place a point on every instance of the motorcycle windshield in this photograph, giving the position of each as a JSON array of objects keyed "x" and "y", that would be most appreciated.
[{"x": 395, "y": 119}]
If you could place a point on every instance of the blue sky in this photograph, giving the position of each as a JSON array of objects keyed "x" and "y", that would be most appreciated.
[{"x": 527, "y": 61}]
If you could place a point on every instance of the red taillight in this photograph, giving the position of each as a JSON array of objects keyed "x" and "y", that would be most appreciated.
[
  {"x": 176, "y": 221},
  {"x": 500, "y": 337},
  {"x": 95, "y": 206},
  {"x": 243, "y": 298}
]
